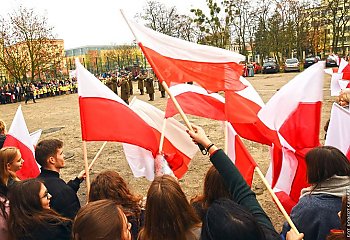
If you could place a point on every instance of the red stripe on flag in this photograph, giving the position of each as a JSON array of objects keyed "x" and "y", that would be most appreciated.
[
  {"x": 304, "y": 121},
  {"x": 29, "y": 168},
  {"x": 213, "y": 77},
  {"x": 197, "y": 105},
  {"x": 107, "y": 120}
]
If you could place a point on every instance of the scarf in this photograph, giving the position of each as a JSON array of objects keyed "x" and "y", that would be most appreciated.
[{"x": 335, "y": 186}]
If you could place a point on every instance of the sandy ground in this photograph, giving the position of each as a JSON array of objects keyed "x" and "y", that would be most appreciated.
[{"x": 58, "y": 117}]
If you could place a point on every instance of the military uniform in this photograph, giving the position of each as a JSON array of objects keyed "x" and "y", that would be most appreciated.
[
  {"x": 125, "y": 90},
  {"x": 161, "y": 89},
  {"x": 150, "y": 88},
  {"x": 140, "y": 84},
  {"x": 130, "y": 78}
]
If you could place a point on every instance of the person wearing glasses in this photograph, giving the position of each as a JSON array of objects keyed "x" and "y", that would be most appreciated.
[
  {"x": 49, "y": 155},
  {"x": 31, "y": 217}
]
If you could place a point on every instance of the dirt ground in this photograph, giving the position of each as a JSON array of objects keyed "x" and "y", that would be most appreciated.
[{"x": 58, "y": 117}]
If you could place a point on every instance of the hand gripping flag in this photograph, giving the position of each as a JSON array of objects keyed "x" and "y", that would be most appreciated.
[
  {"x": 105, "y": 117},
  {"x": 18, "y": 136},
  {"x": 178, "y": 61}
]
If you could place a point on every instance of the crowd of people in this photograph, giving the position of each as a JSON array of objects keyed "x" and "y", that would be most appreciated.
[
  {"x": 46, "y": 207},
  {"x": 18, "y": 92}
]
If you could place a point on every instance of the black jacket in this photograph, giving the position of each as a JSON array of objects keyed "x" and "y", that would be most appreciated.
[
  {"x": 2, "y": 140},
  {"x": 64, "y": 196},
  {"x": 49, "y": 231}
]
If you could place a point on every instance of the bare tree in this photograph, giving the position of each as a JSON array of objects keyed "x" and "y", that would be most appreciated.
[{"x": 29, "y": 45}]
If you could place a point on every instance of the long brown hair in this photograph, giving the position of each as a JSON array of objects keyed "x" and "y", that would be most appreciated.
[
  {"x": 324, "y": 162},
  {"x": 213, "y": 189},
  {"x": 7, "y": 156},
  {"x": 168, "y": 213},
  {"x": 101, "y": 219},
  {"x": 26, "y": 210},
  {"x": 110, "y": 185}
]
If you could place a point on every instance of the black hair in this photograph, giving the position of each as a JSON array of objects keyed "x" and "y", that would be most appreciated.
[{"x": 226, "y": 219}]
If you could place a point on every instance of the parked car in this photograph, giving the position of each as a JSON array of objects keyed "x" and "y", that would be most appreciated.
[
  {"x": 291, "y": 64},
  {"x": 270, "y": 67},
  {"x": 331, "y": 62},
  {"x": 310, "y": 61}
]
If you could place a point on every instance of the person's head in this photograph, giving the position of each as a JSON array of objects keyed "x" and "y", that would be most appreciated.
[
  {"x": 110, "y": 185},
  {"x": 3, "y": 127},
  {"x": 101, "y": 220},
  {"x": 49, "y": 154},
  {"x": 214, "y": 187},
  {"x": 168, "y": 213},
  {"x": 10, "y": 162},
  {"x": 226, "y": 219},
  {"x": 344, "y": 99},
  {"x": 324, "y": 162}
]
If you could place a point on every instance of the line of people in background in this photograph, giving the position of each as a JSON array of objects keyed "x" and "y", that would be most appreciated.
[
  {"x": 17, "y": 92},
  {"x": 48, "y": 208}
]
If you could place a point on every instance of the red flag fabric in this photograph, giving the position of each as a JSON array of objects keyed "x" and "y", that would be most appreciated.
[
  {"x": 341, "y": 78},
  {"x": 18, "y": 136},
  {"x": 196, "y": 101},
  {"x": 178, "y": 148},
  {"x": 239, "y": 155},
  {"x": 294, "y": 111},
  {"x": 178, "y": 61},
  {"x": 105, "y": 117},
  {"x": 338, "y": 133}
]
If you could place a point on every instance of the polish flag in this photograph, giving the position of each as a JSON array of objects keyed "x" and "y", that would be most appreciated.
[
  {"x": 196, "y": 101},
  {"x": 294, "y": 111},
  {"x": 178, "y": 148},
  {"x": 239, "y": 155},
  {"x": 338, "y": 134},
  {"x": 18, "y": 136},
  {"x": 178, "y": 61},
  {"x": 340, "y": 79},
  {"x": 105, "y": 116}
]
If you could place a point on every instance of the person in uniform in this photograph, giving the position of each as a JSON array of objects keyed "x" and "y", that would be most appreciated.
[
  {"x": 140, "y": 82},
  {"x": 150, "y": 88},
  {"x": 125, "y": 89},
  {"x": 130, "y": 78},
  {"x": 161, "y": 89}
]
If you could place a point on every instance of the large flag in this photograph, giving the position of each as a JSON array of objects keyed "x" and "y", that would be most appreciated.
[
  {"x": 239, "y": 155},
  {"x": 18, "y": 136},
  {"x": 178, "y": 61},
  {"x": 341, "y": 78},
  {"x": 338, "y": 134},
  {"x": 294, "y": 112},
  {"x": 178, "y": 148},
  {"x": 105, "y": 117},
  {"x": 196, "y": 101}
]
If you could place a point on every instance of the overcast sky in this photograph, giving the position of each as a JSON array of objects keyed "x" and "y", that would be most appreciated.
[{"x": 86, "y": 22}]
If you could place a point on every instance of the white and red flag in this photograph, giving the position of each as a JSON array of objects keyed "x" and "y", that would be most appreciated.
[
  {"x": 239, "y": 155},
  {"x": 294, "y": 112},
  {"x": 106, "y": 117},
  {"x": 340, "y": 78},
  {"x": 338, "y": 133},
  {"x": 178, "y": 148},
  {"x": 197, "y": 101},
  {"x": 178, "y": 61},
  {"x": 18, "y": 136}
]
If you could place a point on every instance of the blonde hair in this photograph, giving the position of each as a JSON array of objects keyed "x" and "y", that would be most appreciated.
[
  {"x": 2, "y": 127},
  {"x": 7, "y": 156},
  {"x": 345, "y": 96}
]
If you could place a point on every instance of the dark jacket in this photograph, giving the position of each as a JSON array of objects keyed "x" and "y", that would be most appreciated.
[
  {"x": 2, "y": 140},
  {"x": 315, "y": 215},
  {"x": 64, "y": 198},
  {"x": 49, "y": 231},
  {"x": 241, "y": 192}
]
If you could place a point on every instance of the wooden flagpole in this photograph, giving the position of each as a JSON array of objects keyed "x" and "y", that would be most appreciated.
[
  {"x": 97, "y": 155},
  {"x": 185, "y": 119},
  {"x": 161, "y": 142},
  {"x": 86, "y": 169},
  {"x": 277, "y": 201}
]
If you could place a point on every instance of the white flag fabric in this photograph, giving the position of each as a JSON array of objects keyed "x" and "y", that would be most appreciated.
[{"x": 338, "y": 133}]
